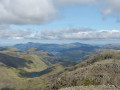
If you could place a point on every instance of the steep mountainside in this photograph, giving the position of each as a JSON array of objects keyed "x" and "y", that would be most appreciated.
[
  {"x": 44, "y": 55},
  {"x": 101, "y": 69},
  {"x": 28, "y": 60},
  {"x": 34, "y": 69},
  {"x": 29, "y": 78},
  {"x": 27, "y": 69}
]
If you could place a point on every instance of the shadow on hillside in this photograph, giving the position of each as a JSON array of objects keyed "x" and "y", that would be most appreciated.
[
  {"x": 46, "y": 71},
  {"x": 13, "y": 61},
  {"x": 36, "y": 74}
]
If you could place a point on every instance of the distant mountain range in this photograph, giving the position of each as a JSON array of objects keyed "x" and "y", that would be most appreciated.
[
  {"x": 73, "y": 65},
  {"x": 68, "y": 52},
  {"x": 64, "y": 47},
  {"x": 50, "y": 47}
]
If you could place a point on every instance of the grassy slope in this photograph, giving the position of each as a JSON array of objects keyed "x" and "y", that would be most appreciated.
[
  {"x": 10, "y": 77},
  {"x": 99, "y": 69},
  {"x": 13, "y": 63},
  {"x": 8, "y": 49},
  {"x": 17, "y": 68},
  {"x": 36, "y": 64}
]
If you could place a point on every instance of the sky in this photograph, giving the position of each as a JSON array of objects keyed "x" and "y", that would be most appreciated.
[{"x": 60, "y": 21}]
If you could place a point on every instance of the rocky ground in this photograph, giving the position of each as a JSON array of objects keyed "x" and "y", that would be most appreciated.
[{"x": 99, "y": 87}]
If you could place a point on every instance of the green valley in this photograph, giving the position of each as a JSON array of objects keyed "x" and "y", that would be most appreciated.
[{"x": 33, "y": 69}]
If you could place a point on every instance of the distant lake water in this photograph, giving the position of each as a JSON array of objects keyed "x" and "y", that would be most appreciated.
[
  {"x": 35, "y": 75},
  {"x": 55, "y": 53}
]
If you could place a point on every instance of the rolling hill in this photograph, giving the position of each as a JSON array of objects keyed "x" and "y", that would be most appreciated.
[
  {"x": 72, "y": 52},
  {"x": 26, "y": 69},
  {"x": 100, "y": 69},
  {"x": 39, "y": 69}
]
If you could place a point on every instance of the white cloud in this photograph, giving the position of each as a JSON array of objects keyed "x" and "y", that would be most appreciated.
[
  {"x": 7, "y": 32},
  {"x": 72, "y": 2},
  {"x": 26, "y": 11},
  {"x": 44, "y": 11},
  {"x": 78, "y": 34},
  {"x": 32, "y": 11},
  {"x": 109, "y": 7}
]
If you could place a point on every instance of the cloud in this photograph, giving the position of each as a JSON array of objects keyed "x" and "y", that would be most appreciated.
[
  {"x": 22, "y": 12},
  {"x": 26, "y": 11},
  {"x": 6, "y": 32},
  {"x": 63, "y": 33},
  {"x": 72, "y": 2},
  {"x": 109, "y": 7},
  {"x": 77, "y": 34}
]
